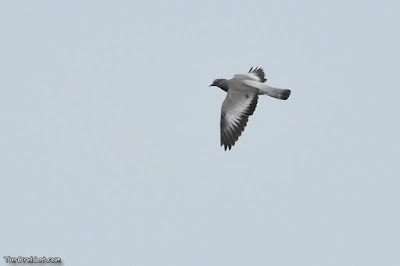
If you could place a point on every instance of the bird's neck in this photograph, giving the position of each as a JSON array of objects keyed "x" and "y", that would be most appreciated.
[{"x": 224, "y": 85}]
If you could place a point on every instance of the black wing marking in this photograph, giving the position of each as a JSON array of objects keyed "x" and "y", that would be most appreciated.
[{"x": 259, "y": 72}]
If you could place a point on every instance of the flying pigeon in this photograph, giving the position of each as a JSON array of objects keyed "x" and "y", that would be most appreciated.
[{"x": 241, "y": 101}]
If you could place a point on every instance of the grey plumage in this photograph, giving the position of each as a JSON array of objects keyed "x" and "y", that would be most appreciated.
[{"x": 241, "y": 102}]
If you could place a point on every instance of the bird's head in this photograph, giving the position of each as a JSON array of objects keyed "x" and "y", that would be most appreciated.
[
  {"x": 221, "y": 83},
  {"x": 215, "y": 82}
]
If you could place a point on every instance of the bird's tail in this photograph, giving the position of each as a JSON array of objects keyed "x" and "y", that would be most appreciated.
[{"x": 281, "y": 94}]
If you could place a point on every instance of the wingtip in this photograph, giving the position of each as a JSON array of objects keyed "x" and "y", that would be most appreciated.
[
  {"x": 226, "y": 147},
  {"x": 223, "y": 145}
]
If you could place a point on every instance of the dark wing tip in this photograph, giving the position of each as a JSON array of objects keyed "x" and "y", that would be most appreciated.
[{"x": 259, "y": 71}]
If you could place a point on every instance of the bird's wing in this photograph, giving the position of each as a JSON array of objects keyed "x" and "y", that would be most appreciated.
[
  {"x": 256, "y": 74},
  {"x": 235, "y": 112}
]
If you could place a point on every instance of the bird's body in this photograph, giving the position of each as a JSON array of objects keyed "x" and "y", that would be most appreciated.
[{"x": 241, "y": 101}]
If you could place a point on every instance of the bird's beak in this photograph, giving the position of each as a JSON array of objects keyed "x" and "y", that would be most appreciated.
[{"x": 211, "y": 85}]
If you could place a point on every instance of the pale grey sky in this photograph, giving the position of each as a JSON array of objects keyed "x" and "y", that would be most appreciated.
[{"x": 109, "y": 140}]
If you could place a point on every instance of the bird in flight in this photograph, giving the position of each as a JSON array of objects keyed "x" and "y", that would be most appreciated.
[{"x": 241, "y": 101}]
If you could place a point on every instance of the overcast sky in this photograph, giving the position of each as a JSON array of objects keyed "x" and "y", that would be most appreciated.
[{"x": 109, "y": 135}]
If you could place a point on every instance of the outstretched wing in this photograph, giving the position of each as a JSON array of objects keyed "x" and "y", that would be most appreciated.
[
  {"x": 235, "y": 112},
  {"x": 256, "y": 74}
]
